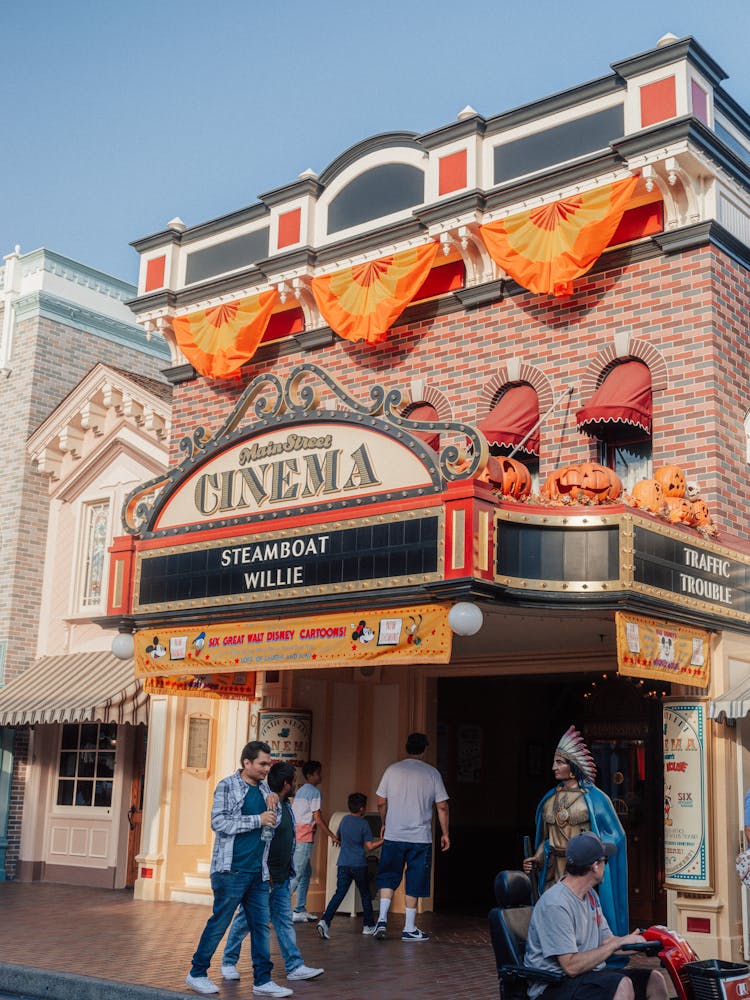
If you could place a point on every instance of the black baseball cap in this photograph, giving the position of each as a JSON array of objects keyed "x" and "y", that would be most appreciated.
[{"x": 587, "y": 848}]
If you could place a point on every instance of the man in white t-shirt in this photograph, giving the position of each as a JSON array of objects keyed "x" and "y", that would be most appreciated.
[{"x": 406, "y": 794}]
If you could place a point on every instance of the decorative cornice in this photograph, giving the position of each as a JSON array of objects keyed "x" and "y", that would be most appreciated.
[
  {"x": 80, "y": 274},
  {"x": 304, "y": 187},
  {"x": 160, "y": 239},
  {"x": 603, "y": 86},
  {"x": 46, "y": 306},
  {"x": 398, "y": 232},
  {"x": 301, "y": 259},
  {"x": 552, "y": 179},
  {"x": 451, "y": 208},
  {"x": 481, "y": 295},
  {"x": 179, "y": 373},
  {"x": 473, "y": 126},
  {"x": 683, "y": 48},
  {"x": 386, "y": 140}
]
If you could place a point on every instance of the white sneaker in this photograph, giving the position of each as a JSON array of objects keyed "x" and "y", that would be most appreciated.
[
  {"x": 369, "y": 930},
  {"x": 322, "y": 928},
  {"x": 305, "y": 972},
  {"x": 201, "y": 984},
  {"x": 271, "y": 989},
  {"x": 302, "y": 916},
  {"x": 230, "y": 972}
]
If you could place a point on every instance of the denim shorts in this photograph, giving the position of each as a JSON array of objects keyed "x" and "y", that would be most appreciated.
[{"x": 394, "y": 855}]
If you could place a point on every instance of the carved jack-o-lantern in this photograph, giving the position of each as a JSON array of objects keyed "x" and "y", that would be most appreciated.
[
  {"x": 599, "y": 482},
  {"x": 680, "y": 510},
  {"x": 648, "y": 495},
  {"x": 701, "y": 513},
  {"x": 509, "y": 475},
  {"x": 672, "y": 480},
  {"x": 562, "y": 483}
]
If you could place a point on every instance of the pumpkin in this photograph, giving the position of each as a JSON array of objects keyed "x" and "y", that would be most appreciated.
[
  {"x": 648, "y": 495},
  {"x": 562, "y": 483},
  {"x": 509, "y": 475},
  {"x": 701, "y": 513},
  {"x": 672, "y": 480},
  {"x": 599, "y": 482},
  {"x": 680, "y": 510}
]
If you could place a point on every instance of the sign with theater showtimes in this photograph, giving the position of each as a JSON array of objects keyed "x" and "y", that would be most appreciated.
[
  {"x": 287, "y": 731},
  {"x": 342, "y": 638},
  {"x": 686, "y": 789}
]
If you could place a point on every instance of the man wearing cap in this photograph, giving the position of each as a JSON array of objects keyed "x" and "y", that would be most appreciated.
[
  {"x": 569, "y": 933},
  {"x": 406, "y": 794}
]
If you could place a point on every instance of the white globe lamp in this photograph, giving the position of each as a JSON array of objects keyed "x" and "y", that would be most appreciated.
[
  {"x": 465, "y": 618},
  {"x": 123, "y": 646}
]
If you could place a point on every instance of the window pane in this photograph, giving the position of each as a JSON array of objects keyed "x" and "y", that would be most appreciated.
[
  {"x": 68, "y": 761},
  {"x": 103, "y": 794},
  {"x": 94, "y": 551},
  {"x": 70, "y": 737},
  {"x": 84, "y": 793},
  {"x": 89, "y": 737},
  {"x": 86, "y": 764},
  {"x": 105, "y": 767},
  {"x": 631, "y": 461},
  {"x": 65, "y": 793}
]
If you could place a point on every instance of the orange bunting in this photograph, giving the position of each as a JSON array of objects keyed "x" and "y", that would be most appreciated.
[
  {"x": 545, "y": 248},
  {"x": 219, "y": 341},
  {"x": 361, "y": 302}
]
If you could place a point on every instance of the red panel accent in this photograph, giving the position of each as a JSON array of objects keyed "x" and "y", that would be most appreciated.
[
  {"x": 147, "y": 872},
  {"x": 638, "y": 222},
  {"x": 452, "y": 172},
  {"x": 658, "y": 102},
  {"x": 122, "y": 551},
  {"x": 155, "y": 273},
  {"x": 284, "y": 324},
  {"x": 289, "y": 227},
  {"x": 699, "y": 925},
  {"x": 700, "y": 102},
  {"x": 623, "y": 397},
  {"x": 441, "y": 279}
]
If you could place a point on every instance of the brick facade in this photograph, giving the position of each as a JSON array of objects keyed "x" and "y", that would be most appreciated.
[{"x": 687, "y": 310}]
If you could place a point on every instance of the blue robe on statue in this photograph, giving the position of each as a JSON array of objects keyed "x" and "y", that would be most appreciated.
[{"x": 605, "y": 823}]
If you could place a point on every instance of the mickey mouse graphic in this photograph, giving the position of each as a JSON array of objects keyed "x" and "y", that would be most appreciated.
[
  {"x": 362, "y": 632},
  {"x": 155, "y": 649}
]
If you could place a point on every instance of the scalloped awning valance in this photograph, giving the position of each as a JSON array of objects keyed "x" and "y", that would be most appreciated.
[{"x": 624, "y": 397}]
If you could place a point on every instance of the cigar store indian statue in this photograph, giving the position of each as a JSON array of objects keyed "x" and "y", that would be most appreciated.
[{"x": 575, "y": 804}]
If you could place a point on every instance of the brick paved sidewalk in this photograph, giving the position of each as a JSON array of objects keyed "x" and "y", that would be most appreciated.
[{"x": 98, "y": 932}]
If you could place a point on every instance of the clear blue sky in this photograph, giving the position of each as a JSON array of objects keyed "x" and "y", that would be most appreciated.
[{"x": 118, "y": 115}]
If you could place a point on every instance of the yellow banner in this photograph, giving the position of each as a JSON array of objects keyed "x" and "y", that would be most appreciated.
[
  {"x": 237, "y": 686},
  {"x": 647, "y": 647},
  {"x": 342, "y": 638}
]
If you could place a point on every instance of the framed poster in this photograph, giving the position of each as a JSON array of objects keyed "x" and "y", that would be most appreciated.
[
  {"x": 287, "y": 731},
  {"x": 687, "y": 812}
]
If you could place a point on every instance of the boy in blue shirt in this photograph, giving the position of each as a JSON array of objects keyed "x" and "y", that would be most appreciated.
[{"x": 356, "y": 842}]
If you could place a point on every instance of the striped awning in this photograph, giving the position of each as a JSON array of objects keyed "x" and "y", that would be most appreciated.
[
  {"x": 77, "y": 687},
  {"x": 734, "y": 703}
]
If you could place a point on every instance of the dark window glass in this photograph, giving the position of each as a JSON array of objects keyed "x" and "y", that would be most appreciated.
[
  {"x": 630, "y": 459},
  {"x": 389, "y": 188},
  {"x": 87, "y": 752},
  {"x": 558, "y": 144},
  {"x": 231, "y": 255},
  {"x": 728, "y": 139}
]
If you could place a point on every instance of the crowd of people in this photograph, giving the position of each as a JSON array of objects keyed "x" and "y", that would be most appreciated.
[{"x": 264, "y": 831}]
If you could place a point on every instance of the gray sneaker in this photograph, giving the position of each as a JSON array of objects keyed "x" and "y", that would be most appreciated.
[
  {"x": 305, "y": 972},
  {"x": 201, "y": 984},
  {"x": 322, "y": 928}
]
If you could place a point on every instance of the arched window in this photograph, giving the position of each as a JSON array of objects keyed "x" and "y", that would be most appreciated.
[
  {"x": 425, "y": 412},
  {"x": 618, "y": 415},
  {"x": 512, "y": 425},
  {"x": 380, "y": 191}
]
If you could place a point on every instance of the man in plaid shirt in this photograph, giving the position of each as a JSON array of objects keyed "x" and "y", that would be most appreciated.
[{"x": 243, "y": 804}]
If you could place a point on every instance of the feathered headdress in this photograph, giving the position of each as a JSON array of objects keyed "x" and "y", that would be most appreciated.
[{"x": 577, "y": 754}]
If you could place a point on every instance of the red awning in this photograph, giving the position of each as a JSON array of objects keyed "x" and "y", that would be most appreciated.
[
  {"x": 426, "y": 412},
  {"x": 624, "y": 397},
  {"x": 511, "y": 419}
]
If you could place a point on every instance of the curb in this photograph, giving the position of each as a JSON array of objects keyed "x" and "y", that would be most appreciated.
[{"x": 25, "y": 981}]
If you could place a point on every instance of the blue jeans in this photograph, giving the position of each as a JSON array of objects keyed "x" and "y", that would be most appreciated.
[
  {"x": 280, "y": 901},
  {"x": 301, "y": 880},
  {"x": 233, "y": 889},
  {"x": 346, "y": 875}
]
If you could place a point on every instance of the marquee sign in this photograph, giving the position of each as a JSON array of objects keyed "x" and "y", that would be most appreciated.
[
  {"x": 363, "y": 554},
  {"x": 351, "y": 638}
]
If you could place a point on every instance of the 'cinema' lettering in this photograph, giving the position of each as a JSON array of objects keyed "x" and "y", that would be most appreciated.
[{"x": 285, "y": 480}]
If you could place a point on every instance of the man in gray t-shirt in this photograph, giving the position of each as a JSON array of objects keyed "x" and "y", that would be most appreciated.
[{"x": 569, "y": 933}]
